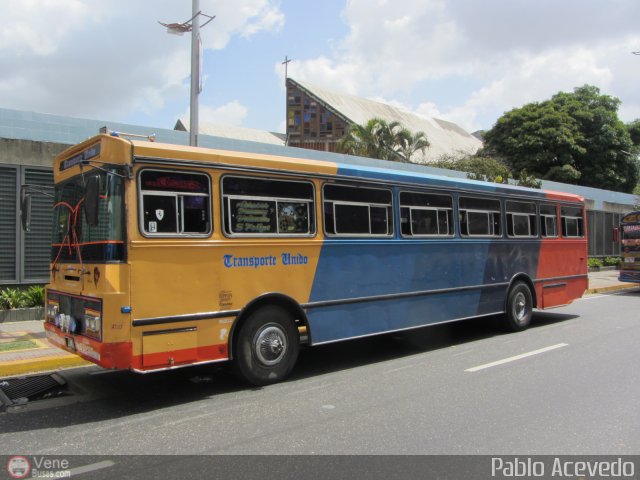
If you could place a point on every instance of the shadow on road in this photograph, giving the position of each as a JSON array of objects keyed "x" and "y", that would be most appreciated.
[{"x": 99, "y": 395}]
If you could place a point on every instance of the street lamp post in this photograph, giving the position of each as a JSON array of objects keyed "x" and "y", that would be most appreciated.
[
  {"x": 192, "y": 25},
  {"x": 196, "y": 72}
]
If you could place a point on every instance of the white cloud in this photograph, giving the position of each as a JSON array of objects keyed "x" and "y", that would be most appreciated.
[
  {"x": 232, "y": 113},
  {"x": 38, "y": 27},
  {"x": 266, "y": 18},
  {"x": 428, "y": 109},
  {"x": 503, "y": 54},
  {"x": 534, "y": 79},
  {"x": 108, "y": 59}
]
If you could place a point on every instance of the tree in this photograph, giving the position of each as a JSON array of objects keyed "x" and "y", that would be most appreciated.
[
  {"x": 383, "y": 140},
  {"x": 634, "y": 132},
  {"x": 573, "y": 138},
  {"x": 409, "y": 143},
  {"x": 486, "y": 169}
]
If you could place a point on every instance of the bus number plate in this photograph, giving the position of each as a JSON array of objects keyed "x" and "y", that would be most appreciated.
[{"x": 629, "y": 259}]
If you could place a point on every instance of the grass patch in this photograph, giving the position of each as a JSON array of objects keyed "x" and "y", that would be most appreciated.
[{"x": 17, "y": 345}]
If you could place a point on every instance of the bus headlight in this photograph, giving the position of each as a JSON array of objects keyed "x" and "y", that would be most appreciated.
[
  {"x": 92, "y": 323},
  {"x": 52, "y": 311}
]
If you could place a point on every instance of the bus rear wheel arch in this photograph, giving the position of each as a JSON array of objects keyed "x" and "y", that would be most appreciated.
[
  {"x": 266, "y": 345},
  {"x": 519, "y": 307}
]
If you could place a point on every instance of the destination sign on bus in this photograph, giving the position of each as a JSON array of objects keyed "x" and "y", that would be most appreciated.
[
  {"x": 87, "y": 154},
  {"x": 172, "y": 181}
]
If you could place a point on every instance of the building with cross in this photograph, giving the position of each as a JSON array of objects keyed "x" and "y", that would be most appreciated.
[{"x": 318, "y": 118}]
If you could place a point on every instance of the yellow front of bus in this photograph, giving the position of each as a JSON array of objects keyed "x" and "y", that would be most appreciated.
[{"x": 88, "y": 299}]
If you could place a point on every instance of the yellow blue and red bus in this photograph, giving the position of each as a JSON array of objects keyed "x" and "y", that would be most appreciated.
[
  {"x": 629, "y": 236},
  {"x": 166, "y": 256}
]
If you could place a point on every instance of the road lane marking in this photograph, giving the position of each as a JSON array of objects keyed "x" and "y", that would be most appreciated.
[
  {"x": 91, "y": 468},
  {"x": 593, "y": 296},
  {"x": 464, "y": 352},
  {"x": 406, "y": 367},
  {"x": 517, "y": 357}
]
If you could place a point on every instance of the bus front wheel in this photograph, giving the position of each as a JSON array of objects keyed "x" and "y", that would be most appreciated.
[
  {"x": 519, "y": 307},
  {"x": 267, "y": 346}
]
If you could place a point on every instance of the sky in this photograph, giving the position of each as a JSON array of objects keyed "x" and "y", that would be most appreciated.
[{"x": 466, "y": 61}]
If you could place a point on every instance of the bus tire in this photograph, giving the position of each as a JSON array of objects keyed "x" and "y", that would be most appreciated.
[
  {"x": 519, "y": 308},
  {"x": 267, "y": 346}
]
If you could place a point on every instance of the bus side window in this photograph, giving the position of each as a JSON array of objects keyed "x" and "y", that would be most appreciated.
[
  {"x": 572, "y": 223},
  {"x": 479, "y": 217},
  {"x": 426, "y": 214},
  {"x": 521, "y": 219},
  {"x": 175, "y": 203},
  {"x": 267, "y": 207},
  {"x": 357, "y": 211},
  {"x": 549, "y": 221}
]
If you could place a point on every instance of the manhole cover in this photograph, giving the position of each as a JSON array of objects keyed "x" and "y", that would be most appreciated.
[{"x": 21, "y": 390}]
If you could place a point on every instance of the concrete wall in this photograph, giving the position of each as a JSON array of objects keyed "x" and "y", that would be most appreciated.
[{"x": 28, "y": 152}]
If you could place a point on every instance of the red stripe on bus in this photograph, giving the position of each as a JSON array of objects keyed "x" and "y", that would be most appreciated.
[{"x": 187, "y": 356}]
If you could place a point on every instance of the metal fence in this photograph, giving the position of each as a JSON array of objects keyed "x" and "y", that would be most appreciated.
[
  {"x": 24, "y": 256},
  {"x": 600, "y": 227}
]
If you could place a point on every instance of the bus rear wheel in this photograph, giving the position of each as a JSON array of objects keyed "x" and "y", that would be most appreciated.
[
  {"x": 519, "y": 308},
  {"x": 267, "y": 346}
]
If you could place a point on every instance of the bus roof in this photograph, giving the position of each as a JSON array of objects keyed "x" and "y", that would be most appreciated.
[{"x": 350, "y": 167}]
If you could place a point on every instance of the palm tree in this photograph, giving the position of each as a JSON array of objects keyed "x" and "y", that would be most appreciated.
[
  {"x": 383, "y": 140},
  {"x": 410, "y": 143},
  {"x": 361, "y": 140}
]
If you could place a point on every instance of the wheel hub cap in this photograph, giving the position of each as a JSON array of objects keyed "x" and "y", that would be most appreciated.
[
  {"x": 270, "y": 345},
  {"x": 520, "y": 306}
]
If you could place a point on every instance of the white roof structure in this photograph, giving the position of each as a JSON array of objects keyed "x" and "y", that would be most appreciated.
[
  {"x": 444, "y": 137},
  {"x": 236, "y": 133}
]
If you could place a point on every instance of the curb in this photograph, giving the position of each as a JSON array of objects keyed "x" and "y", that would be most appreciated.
[
  {"x": 42, "y": 364},
  {"x": 21, "y": 314},
  {"x": 612, "y": 288}
]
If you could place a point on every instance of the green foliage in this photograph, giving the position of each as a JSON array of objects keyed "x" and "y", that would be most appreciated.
[
  {"x": 594, "y": 263},
  {"x": 382, "y": 140},
  {"x": 634, "y": 132},
  {"x": 523, "y": 179},
  {"x": 486, "y": 169},
  {"x": 572, "y": 138},
  {"x": 12, "y": 298},
  {"x": 34, "y": 296},
  {"x": 611, "y": 262},
  {"x": 17, "y": 298}
]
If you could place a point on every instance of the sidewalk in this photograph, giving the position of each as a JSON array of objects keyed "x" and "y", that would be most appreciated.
[{"x": 25, "y": 349}]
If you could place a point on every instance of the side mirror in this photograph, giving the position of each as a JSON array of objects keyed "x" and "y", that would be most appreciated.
[
  {"x": 25, "y": 211},
  {"x": 616, "y": 235},
  {"x": 92, "y": 200}
]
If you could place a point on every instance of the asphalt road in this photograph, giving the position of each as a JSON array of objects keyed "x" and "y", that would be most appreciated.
[{"x": 568, "y": 385}]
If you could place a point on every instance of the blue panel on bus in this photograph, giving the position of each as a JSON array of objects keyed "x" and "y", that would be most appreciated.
[
  {"x": 370, "y": 270},
  {"x": 378, "y": 285}
]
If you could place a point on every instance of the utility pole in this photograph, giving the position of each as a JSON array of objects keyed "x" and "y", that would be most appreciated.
[
  {"x": 193, "y": 25},
  {"x": 196, "y": 75}
]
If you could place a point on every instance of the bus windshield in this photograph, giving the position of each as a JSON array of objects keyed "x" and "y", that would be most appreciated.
[{"x": 74, "y": 239}]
